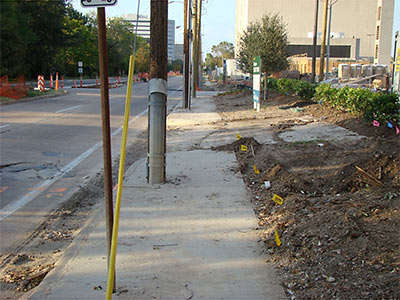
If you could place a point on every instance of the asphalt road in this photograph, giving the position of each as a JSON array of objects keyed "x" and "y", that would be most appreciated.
[{"x": 51, "y": 147}]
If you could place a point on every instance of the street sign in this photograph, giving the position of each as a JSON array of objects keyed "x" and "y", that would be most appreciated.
[
  {"x": 256, "y": 83},
  {"x": 91, "y": 3},
  {"x": 80, "y": 64},
  {"x": 80, "y": 70}
]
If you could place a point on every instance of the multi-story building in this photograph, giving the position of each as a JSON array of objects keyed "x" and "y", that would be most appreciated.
[
  {"x": 178, "y": 53},
  {"x": 171, "y": 39},
  {"x": 143, "y": 30},
  {"x": 360, "y": 29}
]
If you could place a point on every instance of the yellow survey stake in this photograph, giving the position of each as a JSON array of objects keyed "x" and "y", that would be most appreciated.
[
  {"x": 256, "y": 170},
  {"x": 277, "y": 199},
  {"x": 277, "y": 240}
]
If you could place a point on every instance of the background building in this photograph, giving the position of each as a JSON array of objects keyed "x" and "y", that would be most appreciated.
[
  {"x": 360, "y": 29},
  {"x": 178, "y": 53},
  {"x": 144, "y": 30}
]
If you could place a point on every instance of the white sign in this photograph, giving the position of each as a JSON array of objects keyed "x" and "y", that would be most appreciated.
[
  {"x": 91, "y": 3},
  {"x": 80, "y": 64}
]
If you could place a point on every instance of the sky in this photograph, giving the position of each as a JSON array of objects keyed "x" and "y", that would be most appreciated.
[{"x": 218, "y": 19}]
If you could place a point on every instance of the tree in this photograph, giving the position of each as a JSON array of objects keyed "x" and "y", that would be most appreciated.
[
  {"x": 176, "y": 65},
  {"x": 120, "y": 39},
  {"x": 268, "y": 39},
  {"x": 15, "y": 36},
  {"x": 211, "y": 62},
  {"x": 45, "y": 19},
  {"x": 224, "y": 50},
  {"x": 142, "y": 56},
  {"x": 80, "y": 44}
]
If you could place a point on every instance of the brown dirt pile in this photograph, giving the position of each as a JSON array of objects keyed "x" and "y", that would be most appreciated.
[{"x": 339, "y": 220}]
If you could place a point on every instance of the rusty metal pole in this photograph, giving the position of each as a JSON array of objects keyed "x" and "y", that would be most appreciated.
[{"x": 105, "y": 117}]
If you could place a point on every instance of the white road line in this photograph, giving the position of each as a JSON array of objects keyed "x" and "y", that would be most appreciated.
[
  {"x": 37, "y": 190},
  {"x": 3, "y": 126},
  {"x": 67, "y": 109}
]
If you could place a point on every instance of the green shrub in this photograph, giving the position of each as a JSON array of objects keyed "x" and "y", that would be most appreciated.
[
  {"x": 286, "y": 86},
  {"x": 372, "y": 106},
  {"x": 273, "y": 84},
  {"x": 383, "y": 108},
  {"x": 304, "y": 89}
]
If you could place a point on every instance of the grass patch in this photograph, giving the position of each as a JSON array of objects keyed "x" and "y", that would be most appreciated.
[{"x": 30, "y": 94}]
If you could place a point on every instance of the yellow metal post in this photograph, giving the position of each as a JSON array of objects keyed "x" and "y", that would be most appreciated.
[{"x": 110, "y": 281}]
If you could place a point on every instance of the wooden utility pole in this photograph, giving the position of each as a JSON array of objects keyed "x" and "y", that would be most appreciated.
[
  {"x": 195, "y": 48},
  {"x": 323, "y": 42},
  {"x": 314, "y": 58},
  {"x": 199, "y": 72},
  {"x": 186, "y": 54},
  {"x": 158, "y": 88},
  {"x": 105, "y": 117}
]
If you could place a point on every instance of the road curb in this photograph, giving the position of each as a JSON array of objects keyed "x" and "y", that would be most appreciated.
[{"x": 34, "y": 98}]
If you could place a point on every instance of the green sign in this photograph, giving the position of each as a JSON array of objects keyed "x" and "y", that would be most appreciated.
[{"x": 257, "y": 65}]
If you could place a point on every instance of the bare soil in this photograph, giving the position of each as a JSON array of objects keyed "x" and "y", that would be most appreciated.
[
  {"x": 24, "y": 268},
  {"x": 339, "y": 221}
]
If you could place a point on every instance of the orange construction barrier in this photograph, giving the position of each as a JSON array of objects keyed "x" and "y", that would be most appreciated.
[
  {"x": 41, "y": 83},
  {"x": 15, "y": 89},
  {"x": 57, "y": 81}
]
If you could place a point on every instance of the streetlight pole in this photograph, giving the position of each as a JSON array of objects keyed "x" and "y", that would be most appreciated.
[
  {"x": 314, "y": 58},
  {"x": 328, "y": 48},
  {"x": 322, "y": 56}
]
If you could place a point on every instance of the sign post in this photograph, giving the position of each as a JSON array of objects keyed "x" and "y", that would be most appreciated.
[
  {"x": 396, "y": 66},
  {"x": 105, "y": 114},
  {"x": 80, "y": 71},
  {"x": 256, "y": 83}
]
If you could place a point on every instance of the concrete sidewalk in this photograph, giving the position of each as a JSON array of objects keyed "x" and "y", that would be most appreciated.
[{"x": 191, "y": 238}]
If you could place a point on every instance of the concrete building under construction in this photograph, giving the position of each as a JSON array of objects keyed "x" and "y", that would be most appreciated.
[{"x": 360, "y": 29}]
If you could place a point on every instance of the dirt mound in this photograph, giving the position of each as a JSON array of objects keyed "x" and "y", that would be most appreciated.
[{"x": 338, "y": 220}]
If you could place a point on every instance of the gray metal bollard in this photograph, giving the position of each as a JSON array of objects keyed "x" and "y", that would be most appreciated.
[{"x": 158, "y": 89}]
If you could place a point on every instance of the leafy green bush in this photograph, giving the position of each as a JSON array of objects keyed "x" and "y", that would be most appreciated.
[
  {"x": 383, "y": 108},
  {"x": 292, "y": 87},
  {"x": 273, "y": 84},
  {"x": 286, "y": 86},
  {"x": 372, "y": 106},
  {"x": 304, "y": 89}
]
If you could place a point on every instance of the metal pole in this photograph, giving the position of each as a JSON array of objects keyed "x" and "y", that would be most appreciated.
[
  {"x": 199, "y": 71},
  {"x": 328, "y": 47},
  {"x": 186, "y": 55},
  {"x": 136, "y": 29},
  {"x": 396, "y": 37},
  {"x": 105, "y": 117},
  {"x": 195, "y": 49},
  {"x": 314, "y": 58},
  {"x": 190, "y": 51},
  {"x": 158, "y": 88},
  {"x": 322, "y": 56}
]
